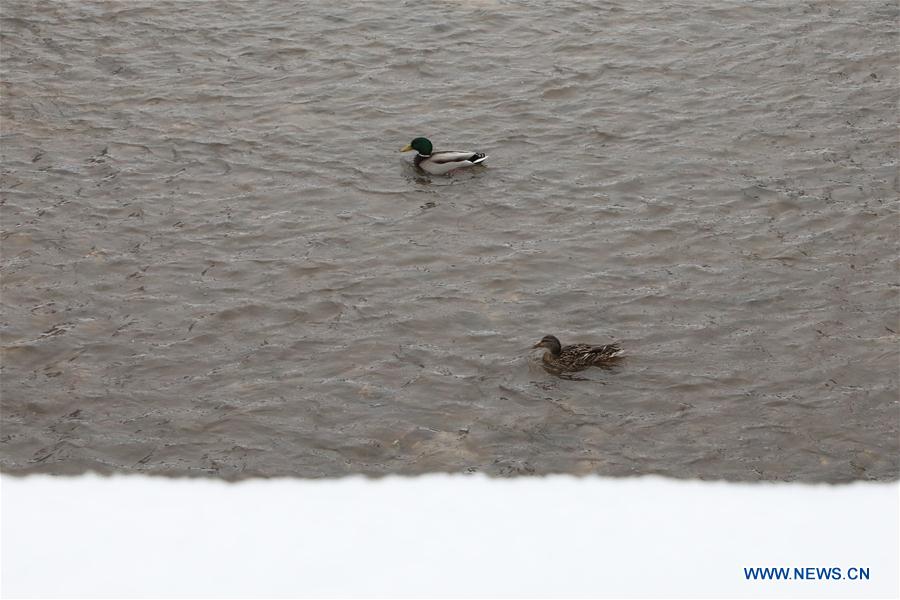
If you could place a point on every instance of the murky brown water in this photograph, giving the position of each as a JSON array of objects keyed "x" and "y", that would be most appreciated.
[{"x": 215, "y": 261}]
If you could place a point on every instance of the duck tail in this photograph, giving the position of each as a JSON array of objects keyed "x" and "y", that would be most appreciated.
[{"x": 477, "y": 158}]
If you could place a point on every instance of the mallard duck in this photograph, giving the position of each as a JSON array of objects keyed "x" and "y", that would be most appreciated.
[
  {"x": 576, "y": 356},
  {"x": 440, "y": 163}
]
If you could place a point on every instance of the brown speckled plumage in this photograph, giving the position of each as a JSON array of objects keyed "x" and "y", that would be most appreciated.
[{"x": 576, "y": 357}]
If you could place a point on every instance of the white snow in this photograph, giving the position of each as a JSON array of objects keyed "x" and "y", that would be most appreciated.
[{"x": 441, "y": 535}]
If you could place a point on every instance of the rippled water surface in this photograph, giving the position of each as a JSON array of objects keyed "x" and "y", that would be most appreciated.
[{"x": 215, "y": 261}]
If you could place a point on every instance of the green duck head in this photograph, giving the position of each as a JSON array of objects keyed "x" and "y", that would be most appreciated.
[
  {"x": 551, "y": 343},
  {"x": 420, "y": 145}
]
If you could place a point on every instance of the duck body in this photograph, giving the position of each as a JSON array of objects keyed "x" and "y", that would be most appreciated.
[
  {"x": 443, "y": 162},
  {"x": 576, "y": 357}
]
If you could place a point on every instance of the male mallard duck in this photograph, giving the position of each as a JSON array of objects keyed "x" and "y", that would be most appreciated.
[
  {"x": 439, "y": 163},
  {"x": 577, "y": 356}
]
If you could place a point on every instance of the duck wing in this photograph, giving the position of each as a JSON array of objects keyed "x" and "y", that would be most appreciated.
[
  {"x": 452, "y": 156},
  {"x": 606, "y": 351},
  {"x": 576, "y": 349},
  {"x": 586, "y": 353}
]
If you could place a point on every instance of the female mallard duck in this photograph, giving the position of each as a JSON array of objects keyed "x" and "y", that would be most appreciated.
[
  {"x": 577, "y": 356},
  {"x": 440, "y": 163}
]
